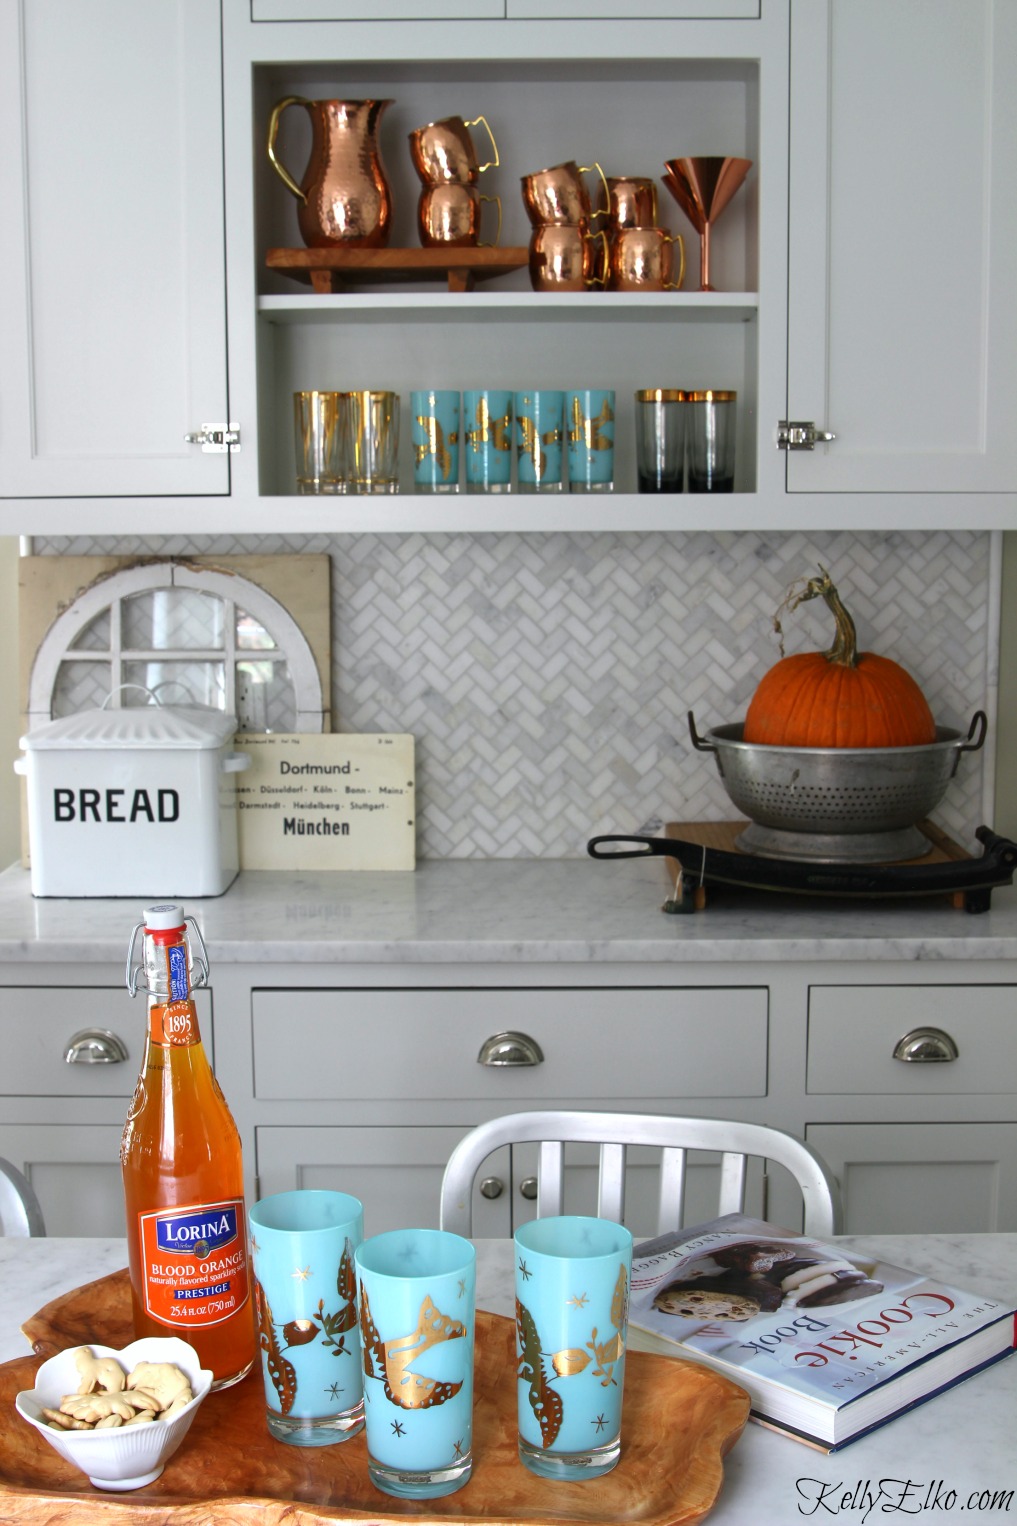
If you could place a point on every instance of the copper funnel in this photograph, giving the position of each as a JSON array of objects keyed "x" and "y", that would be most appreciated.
[{"x": 702, "y": 187}]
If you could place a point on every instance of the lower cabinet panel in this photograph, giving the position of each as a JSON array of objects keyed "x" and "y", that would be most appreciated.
[
  {"x": 75, "y": 1170},
  {"x": 395, "y": 1172},
  {"x": 923, "y": 1178}
]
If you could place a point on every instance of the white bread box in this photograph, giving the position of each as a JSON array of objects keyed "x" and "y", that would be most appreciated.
[{"x": 133, "y": 802}]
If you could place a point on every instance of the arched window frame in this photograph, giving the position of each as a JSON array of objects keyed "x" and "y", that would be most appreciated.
[{"x": 235, "y": 590}]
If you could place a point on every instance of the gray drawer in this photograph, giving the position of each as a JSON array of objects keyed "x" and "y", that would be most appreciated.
[
  {"x": 36, "y": 1023},
  {"x": 616, "y": 1044},
  {"x": 853, "y": 1031}
]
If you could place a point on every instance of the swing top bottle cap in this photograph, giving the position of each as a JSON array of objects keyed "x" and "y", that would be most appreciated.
[{"x": 164, "y": 917}]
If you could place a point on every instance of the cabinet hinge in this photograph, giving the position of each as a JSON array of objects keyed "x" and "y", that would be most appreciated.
[
  {"x": 800, "y": 434},
  {"x": 215, "y": 439}
]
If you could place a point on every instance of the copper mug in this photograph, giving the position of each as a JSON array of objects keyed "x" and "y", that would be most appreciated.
[
  {"x": 564, "y": 258},
  {"x": 448, "y": 216},
  {"x": 344, "y": 195},
  {"x": 444, "y": 151},
  {"x": 633, "y": 201},
  {"x": 559, "y": 195},
  {"x": 643, "y": 259}
]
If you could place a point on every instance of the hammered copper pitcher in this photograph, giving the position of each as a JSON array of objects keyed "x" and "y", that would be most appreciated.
[{"x": 344, "y": 197}]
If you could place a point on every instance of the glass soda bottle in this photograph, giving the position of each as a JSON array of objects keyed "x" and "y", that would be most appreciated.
[{"x": 182, "y": 1170}]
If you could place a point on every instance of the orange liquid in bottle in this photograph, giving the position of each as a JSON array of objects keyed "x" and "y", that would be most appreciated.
[{"x": 183, "y": 1184}]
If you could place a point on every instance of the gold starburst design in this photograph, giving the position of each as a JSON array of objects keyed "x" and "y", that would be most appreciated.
[
  {"x": 524, "y": 1270},
  {"x": 462, "y": 1287},
  {"x": 397, "y": 1428},
  {"x": 599, "y": 1424},
  {"x": 301, "y": 1274},
  {"x": 577, "y": 1301}
]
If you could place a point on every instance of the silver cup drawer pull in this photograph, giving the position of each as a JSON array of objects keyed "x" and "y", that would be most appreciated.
[
  {"x": 95, "y": 1046},
  {"x": 926, "y": 1046},
  {"x": 510, "y": 1048}
]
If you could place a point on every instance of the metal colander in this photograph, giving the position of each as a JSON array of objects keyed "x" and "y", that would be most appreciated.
[{"x": 849, "y": 804}]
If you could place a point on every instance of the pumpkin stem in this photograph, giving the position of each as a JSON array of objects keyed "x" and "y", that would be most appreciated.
[{"x": 844, "y": 651}]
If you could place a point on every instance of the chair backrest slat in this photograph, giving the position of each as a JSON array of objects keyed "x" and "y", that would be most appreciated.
[
  {"x": 550, "y": 1178},
  {"x": 611, "y": 1188},
  {"x": 671, "y": 1200},
  {"x": 732, "y": 1182}
]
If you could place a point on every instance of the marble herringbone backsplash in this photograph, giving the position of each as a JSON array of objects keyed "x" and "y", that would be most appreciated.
[{"x": 547, "y": 678}]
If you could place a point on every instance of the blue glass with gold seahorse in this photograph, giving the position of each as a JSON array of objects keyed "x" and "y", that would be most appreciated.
[
  {"x": 539, "y": 436},
  {"x": 416, "y": 1292},
  {"x": 589, "y": 431},
  {"x": 572, "y": 1277},
  {"x": 487, "y": 439},
  {"x": 434, "y": 432},
  {"x": 303, "y": 1245}
]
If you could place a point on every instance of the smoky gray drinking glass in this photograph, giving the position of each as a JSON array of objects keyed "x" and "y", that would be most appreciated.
[
  {"x": 710, "y": 443},
  {"x": 660, "y": 439}
]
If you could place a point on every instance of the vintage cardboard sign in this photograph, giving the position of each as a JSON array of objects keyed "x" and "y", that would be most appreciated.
[{"x": 334, "y": 801}]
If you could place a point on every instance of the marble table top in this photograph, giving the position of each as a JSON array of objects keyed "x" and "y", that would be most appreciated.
[
  {"x": 508, "y": 911},
  {"x": 937, "y": 1462}
]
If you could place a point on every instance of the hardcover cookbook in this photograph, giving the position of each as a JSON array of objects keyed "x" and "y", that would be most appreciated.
[{"x": 828, "y": 1345}]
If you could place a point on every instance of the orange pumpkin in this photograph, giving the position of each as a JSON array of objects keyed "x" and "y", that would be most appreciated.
[{"x": 839, "y": 698}]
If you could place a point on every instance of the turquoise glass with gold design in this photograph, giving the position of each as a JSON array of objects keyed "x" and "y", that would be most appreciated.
[
  {"x": 572, "y": 1278},
  {"x": 589, "y": 431},
  {"x": 417, "y": 1291},
  {"x": 487, "y": 439},
  {"x": 539, "y": 418},
  {"x": 434, "y": 432},
  {"x": 302, "y": 1252}
]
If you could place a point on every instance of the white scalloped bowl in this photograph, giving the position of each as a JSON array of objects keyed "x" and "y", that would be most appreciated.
[{"x": 127, "y": 1457}]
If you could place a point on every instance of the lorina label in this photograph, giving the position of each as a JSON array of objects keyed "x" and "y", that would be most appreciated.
[{"x": 195, "y": 1263}]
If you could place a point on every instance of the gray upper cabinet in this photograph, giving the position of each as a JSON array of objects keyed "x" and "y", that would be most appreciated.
[
  {"x": 902, "y": 317},
  {"x": 863, "y": 270},
  {"x": 113, "y": 327}
]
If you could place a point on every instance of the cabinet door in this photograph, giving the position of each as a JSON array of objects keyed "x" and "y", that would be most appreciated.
[
  {"x": 902, "y": 310},
  {"x": 922, "y": 1178},
  {"x": 395, "y": 1172},
  {"x": 75, "y": 1170},
  {"x": 113, "y": 334}
]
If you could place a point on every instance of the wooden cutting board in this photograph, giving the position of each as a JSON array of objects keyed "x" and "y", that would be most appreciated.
[{"x": 680, "y": 1419}]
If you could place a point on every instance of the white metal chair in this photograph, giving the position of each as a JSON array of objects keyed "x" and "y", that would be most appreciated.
[
  {"x": 20, "y": 1210},
  {"x": 613, "y": 1132}
]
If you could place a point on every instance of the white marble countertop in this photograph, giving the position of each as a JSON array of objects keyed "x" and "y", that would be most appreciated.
[
  {"x": 937, "y": 1462},
  {"x": 506, "y": 911}
]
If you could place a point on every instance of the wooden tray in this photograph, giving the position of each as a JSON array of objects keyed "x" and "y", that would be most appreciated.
[
  {"x": 337, "y": 269},
  {"x": 680, "y": 1420}
]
